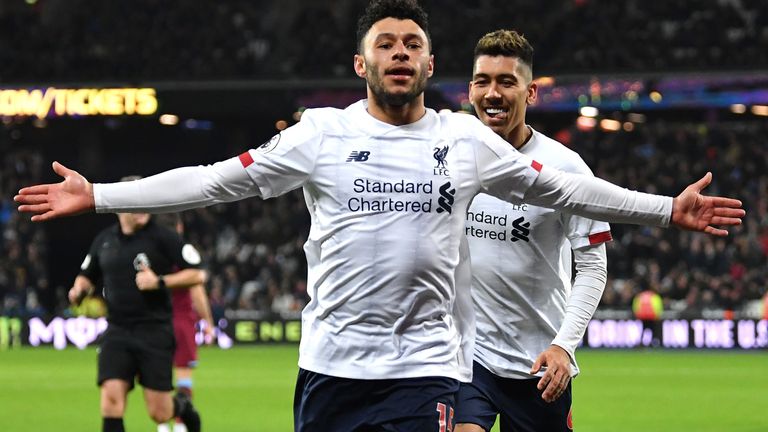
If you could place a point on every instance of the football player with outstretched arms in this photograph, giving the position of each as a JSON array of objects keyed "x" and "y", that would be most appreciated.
[{"x": 386, "y": 245}]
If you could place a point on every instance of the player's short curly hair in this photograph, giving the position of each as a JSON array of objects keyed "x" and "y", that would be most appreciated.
[
  {"x": 508, "y": 43},
  {"x": 378, "y": 10}
]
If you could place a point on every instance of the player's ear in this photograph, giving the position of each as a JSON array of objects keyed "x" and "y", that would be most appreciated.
[
  {"x": 431, "y": 66},
  {"x": 533, "y": 91},
  {"x": 359, "y": 65}
]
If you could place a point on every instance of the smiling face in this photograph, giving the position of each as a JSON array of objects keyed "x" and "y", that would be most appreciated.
[
  {"x": 395, "y": 61},
  {"x": 500, "y": 90}
]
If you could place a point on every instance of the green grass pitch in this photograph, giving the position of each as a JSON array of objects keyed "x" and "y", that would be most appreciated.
[{"x": 251, "y": 389}]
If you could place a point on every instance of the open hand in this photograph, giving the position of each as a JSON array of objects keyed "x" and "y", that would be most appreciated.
[
  {"x": 696, "y": 212},
  {"x": 74, "y": 195}
]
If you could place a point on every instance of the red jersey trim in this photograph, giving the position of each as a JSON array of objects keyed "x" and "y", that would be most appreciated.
[
  {"x": 600, "y": 237},
  {"x": 246, "y": 159},
  {"x": 537, "y": 166}
]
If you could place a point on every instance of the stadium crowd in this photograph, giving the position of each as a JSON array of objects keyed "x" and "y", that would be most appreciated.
[
  {"x": 23, "y": 244},
  {"x": 242, "y": 39},
  {"x": 254, "y": 248}
]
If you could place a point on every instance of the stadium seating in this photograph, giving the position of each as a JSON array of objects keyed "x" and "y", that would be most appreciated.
[{"x": 241, "y": 39}]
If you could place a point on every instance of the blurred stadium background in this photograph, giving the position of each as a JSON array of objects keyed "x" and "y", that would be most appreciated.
[{"x": 651, "y": 94}]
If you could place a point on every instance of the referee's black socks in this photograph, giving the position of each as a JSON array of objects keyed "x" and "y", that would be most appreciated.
[
  {"x": 183, "y": 409},
  {"x": 112, "y": 424}
]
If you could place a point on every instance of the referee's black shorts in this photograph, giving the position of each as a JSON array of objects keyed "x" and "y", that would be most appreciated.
[{"x": 143, "y": 350}]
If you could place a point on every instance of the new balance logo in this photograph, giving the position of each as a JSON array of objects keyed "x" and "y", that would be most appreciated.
[
  {"x": 358, "y": 156},
  {"x": 445, "y": 202},
  {"x": 521, "y": 230}
]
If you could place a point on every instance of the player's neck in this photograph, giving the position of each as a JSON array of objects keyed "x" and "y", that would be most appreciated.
[
  {"x": 409, "y": 113},
  {"x": 130, "y": 228},
  {"x": 519, "y": 136},
  {"x": 127, "y": 229}
]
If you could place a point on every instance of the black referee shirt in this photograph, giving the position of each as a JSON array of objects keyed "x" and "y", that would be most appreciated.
[{"x": 112, "y": 259}]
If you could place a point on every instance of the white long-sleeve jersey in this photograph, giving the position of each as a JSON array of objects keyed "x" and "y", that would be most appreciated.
[
  {"x": 388, "y": 206},
  {"x": 521, "y": 272}
]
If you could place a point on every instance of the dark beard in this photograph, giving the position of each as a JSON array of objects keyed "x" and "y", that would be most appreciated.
[{"x": 376, "y": 84}]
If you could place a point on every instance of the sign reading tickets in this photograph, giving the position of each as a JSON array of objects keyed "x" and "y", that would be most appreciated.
[{"x": 78, "y": 102}]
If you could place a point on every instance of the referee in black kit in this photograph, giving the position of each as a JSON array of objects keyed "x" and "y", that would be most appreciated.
[{"x": 138, "y": 261}]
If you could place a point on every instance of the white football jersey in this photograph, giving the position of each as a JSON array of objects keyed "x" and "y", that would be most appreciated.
[
  {"x": 521, "y": 268},
  {"x": 387, "y": 205},
  {"x": 386, "y": 246}
]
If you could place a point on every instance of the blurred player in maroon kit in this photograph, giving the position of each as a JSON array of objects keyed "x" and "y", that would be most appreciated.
[{"x": 189, "y": 307}]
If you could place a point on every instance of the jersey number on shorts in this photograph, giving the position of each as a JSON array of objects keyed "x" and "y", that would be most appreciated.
[{"x": 445, "y": 422}]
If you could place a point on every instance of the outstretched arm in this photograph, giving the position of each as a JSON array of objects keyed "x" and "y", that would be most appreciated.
[
  {"x": 253, "y": 173},
  {"x": 174, "y": 190},
  {"x": 597, "y": 199}
]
